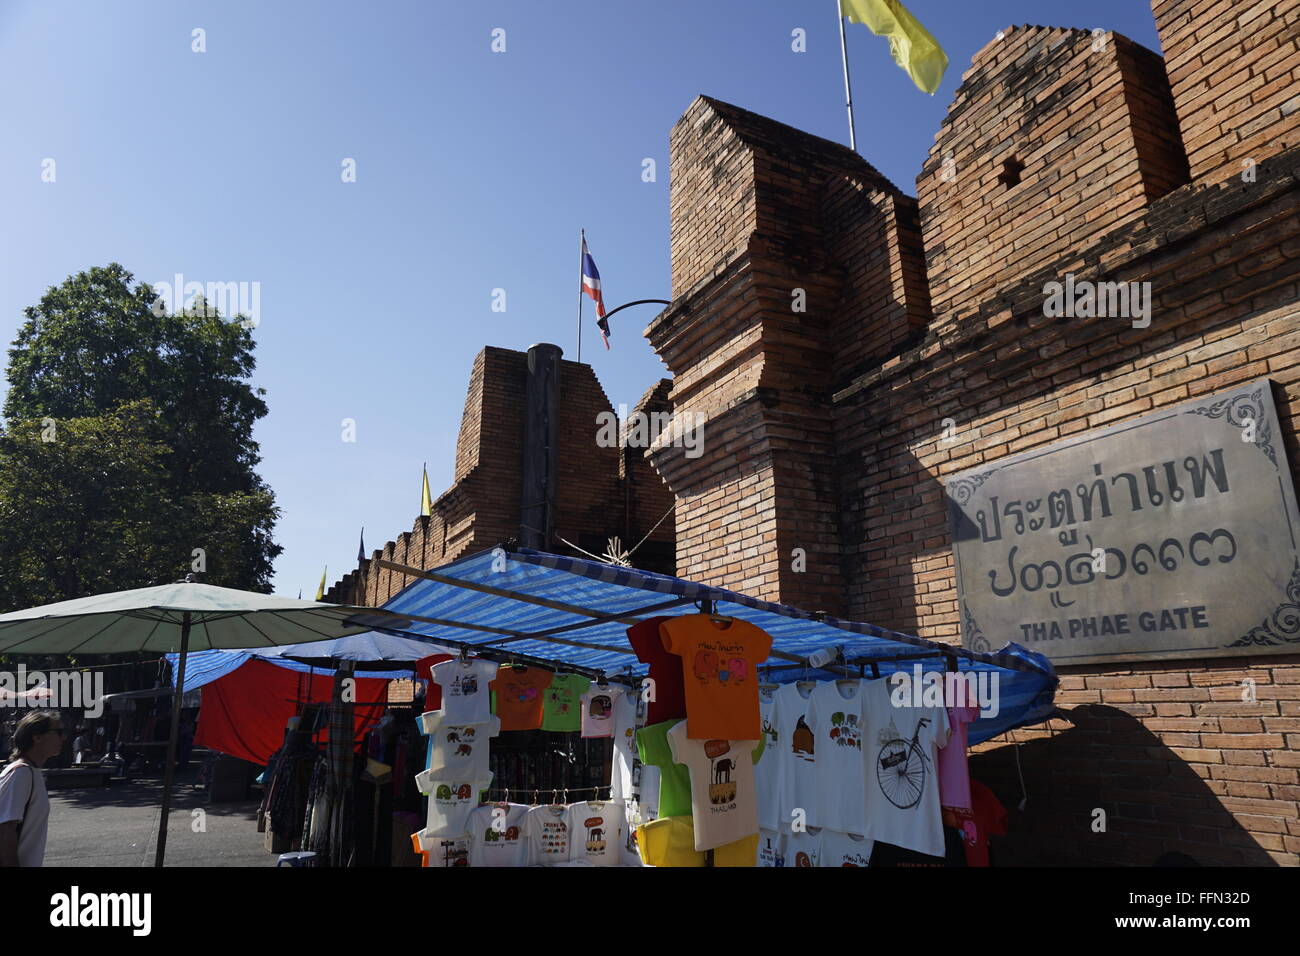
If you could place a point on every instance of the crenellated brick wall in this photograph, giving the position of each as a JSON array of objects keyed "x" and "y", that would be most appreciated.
[
  {"x": 1236, "y": 79},
  {"x": 598, "y": 494}
]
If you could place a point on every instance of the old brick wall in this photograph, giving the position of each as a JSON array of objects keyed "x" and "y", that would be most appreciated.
[
  {"x": 1234, "y": 67},
  {"x": 1086, "y": 122},
  {"x": 482, "y": 507},
  {"x": 1170, "y": 751}
]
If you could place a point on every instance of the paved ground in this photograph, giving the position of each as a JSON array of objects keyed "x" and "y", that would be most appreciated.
[{"x": 118, "y": 826}]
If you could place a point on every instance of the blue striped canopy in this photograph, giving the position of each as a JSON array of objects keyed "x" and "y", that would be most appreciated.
[{"x": 589, "y": 607}]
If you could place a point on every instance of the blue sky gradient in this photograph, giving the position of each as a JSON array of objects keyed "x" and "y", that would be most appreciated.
[{"x": 475, "y": 171}]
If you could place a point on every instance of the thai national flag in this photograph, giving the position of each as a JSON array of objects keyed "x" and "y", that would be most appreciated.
[{"x": 591, "y": 286}]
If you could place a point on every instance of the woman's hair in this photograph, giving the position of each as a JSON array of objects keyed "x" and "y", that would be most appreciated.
[{"x": 29, "y": 728}]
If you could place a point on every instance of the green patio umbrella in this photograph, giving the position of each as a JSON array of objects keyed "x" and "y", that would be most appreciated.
[{"x": 180, "y": 617}]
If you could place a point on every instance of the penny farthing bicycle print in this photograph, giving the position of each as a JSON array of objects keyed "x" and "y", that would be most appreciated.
[{"x": 901, "y": 767}]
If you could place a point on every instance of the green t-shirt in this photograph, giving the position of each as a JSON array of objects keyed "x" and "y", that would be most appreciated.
[
  {"x": 674, "y": 778},
  {"x": 562, "y": 703}
]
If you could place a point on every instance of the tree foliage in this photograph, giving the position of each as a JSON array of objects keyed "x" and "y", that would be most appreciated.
[{"x": 128, "y": 445}]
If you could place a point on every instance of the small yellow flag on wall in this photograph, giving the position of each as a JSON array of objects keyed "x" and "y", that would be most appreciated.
[
  {"x": 914, "y": 49},
  {"x": 426, "y": 499},
  {"x": 320, "y": 591}
]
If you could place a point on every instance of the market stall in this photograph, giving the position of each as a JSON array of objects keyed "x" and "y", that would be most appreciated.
[{"x": 741, "y": 732}]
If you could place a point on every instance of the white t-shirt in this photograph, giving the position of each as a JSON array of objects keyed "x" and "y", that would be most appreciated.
[
  {"x": 459, "y": 750},
  {"x": 465, "y": 698},
  {"x": 844, "y": 849},
  {"x": 547, "y": 830},
  {"x": 633, "y": 818},
  {"x": 597, "y": 829},
  {"x": 598, "y": 710},
  {"x": 837, "y": 723},
  {"x": 649, "y": 799},
  {"x": 625, "y": 753},
  {"x": 900, "y": 747},
  {"x": 723, "y": 799},
  {"x": 803, "y": 848},
  {"x": 797, "y": 780},
  {"x": 451, "y": 799},
  {"x": 23, "y": 798},
  {"x": 496, "y": 835},
  {"x": 770, "y": 848},
  {"x": 767, "y": 772},
  {"x": 444, "y": 852}
]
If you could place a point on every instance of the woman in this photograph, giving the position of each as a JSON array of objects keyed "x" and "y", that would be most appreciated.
[{"x": 24, "y": 804}]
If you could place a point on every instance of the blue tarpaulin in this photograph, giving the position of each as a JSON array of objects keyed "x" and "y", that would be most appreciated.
[
  {"x": 203, "y": 667},
  {"x": 588, "y": 606}
]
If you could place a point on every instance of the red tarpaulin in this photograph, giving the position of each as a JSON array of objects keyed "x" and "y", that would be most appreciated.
[{"x": 244, "y": 714}]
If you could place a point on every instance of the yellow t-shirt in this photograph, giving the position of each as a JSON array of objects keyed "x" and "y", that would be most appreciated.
[
  {"x": 670, "y": 841},
  {"x": 720, "y": 668}
]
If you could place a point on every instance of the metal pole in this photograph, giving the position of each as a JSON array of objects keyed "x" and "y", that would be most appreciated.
[
  {"x": 848, "y": 91},
  {"x": 168, "y": 771},
  {"x": 582, "y": 241}
]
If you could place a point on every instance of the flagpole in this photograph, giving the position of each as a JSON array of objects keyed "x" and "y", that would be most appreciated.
[
  {"x": 582, "y": 237},
  {"x": 848, "y": 90}
]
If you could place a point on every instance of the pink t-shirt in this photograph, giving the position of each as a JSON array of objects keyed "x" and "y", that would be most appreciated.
[{"x": 954, "y": 776}]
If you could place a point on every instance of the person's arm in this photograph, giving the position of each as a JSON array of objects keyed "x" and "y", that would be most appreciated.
[{"x": 9, "y": 844}]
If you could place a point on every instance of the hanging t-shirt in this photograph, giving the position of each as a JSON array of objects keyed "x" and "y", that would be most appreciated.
[
  {"x": 464, "y": 687},
  {"x": 648, "y": 789},
  {"x": 520, "y": 696},
  {"x": 770, "y": 853},
  {"x": 451, "y": 800},
  {"x": 441, "y": 851},
  {"x": 670, "y": 841},
  {"x": 665, "y": 670},
  {"x": 547, "y": 830},
  {"x": 496, "y": 835},
  {"x": 596, "y": 828},
  {"x": 954, "y": 773},
  {"x": 900, "y": 746},
  {"x": 671, "y": 797},
  {"x": 844, "y": 849},
  {"x": 796, "y": 748},
  {"x": 723, "y": 800},
  {"x": 836, "y": 721},
  {"x": 989, "y": 817},
  {"x": 720, "y": 660},
  {"x": 459, "y": 750},
  {"x": 598, "y": 710},
  {"x": 767, "y": 773},
  {"x": 803, "y": 848},
  {"x": 674, "y": 794},
  {"x": 561, "y": 709},
  {"x": 625, "y": 754}
]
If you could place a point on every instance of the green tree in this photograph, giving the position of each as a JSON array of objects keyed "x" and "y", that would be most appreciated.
[
  {"x": 152, "y": 456},
  {"x": 87, "y": 506},
  {"x": 95, "y": 341}
]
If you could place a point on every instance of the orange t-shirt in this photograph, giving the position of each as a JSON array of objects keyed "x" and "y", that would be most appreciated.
[
  {"x": 720, "y": 667},
  {"x": 519, "y": 696}
]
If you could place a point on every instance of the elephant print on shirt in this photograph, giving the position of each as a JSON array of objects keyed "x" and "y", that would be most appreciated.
[
  {"x": 706, "y": 665},
  {"x": 722, "y": 770}
]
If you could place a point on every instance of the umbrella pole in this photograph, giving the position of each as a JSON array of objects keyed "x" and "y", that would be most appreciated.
[{"x": 168, "y": 771}]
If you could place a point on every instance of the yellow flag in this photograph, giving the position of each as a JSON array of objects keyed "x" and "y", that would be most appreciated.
[
  {"x": 320, "y": 591},
  {"x": 918, "y": 53},
  {"x": 426, "y": 499}
]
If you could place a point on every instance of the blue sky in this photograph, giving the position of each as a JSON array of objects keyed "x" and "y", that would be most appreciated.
[{"x": 475, "y": 171}]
